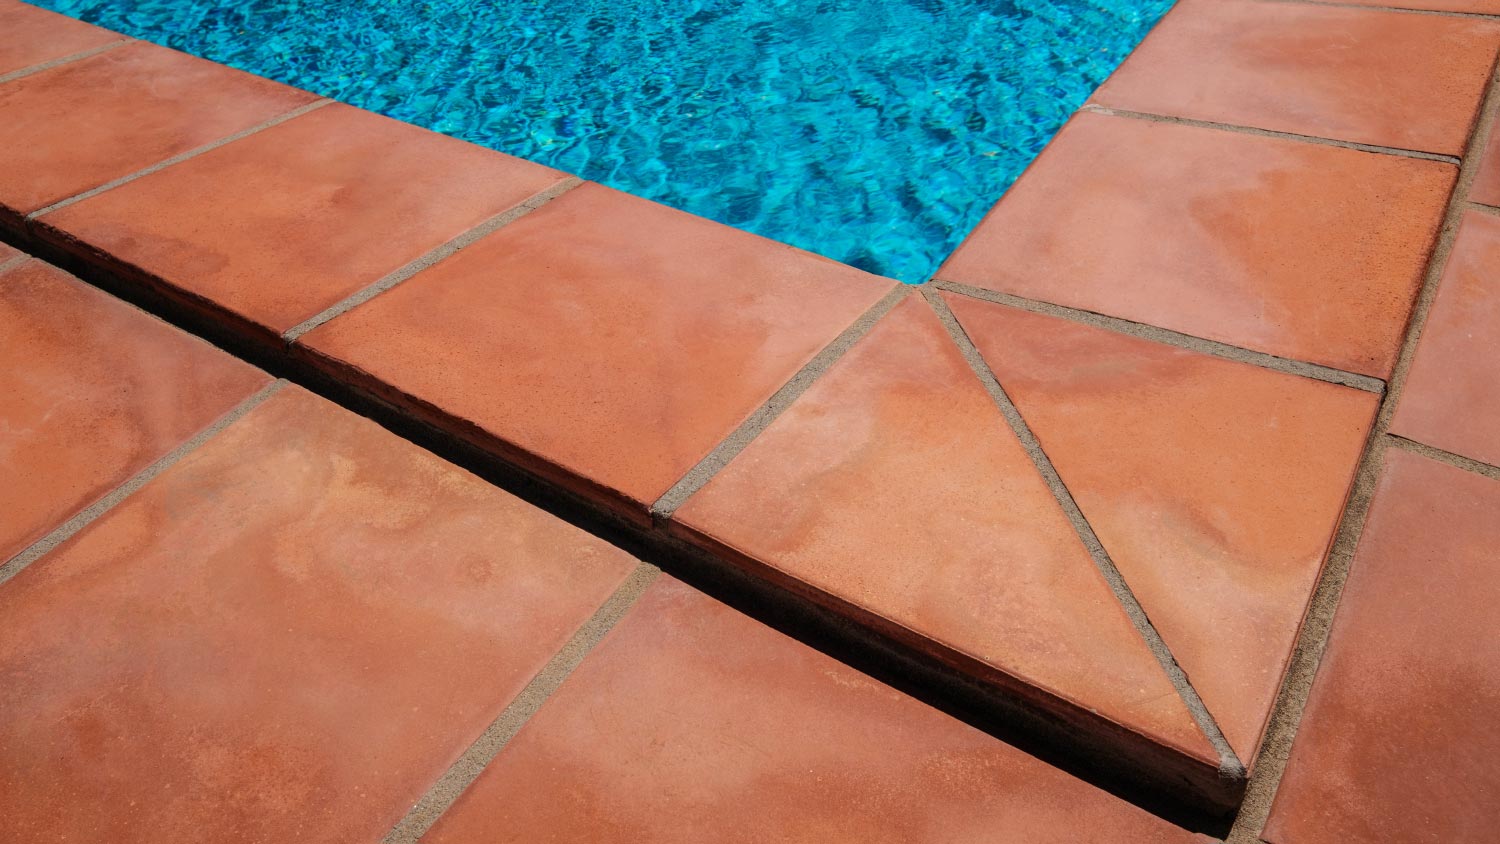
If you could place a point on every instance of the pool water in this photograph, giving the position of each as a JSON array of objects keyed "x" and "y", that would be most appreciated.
[{"x": 876, "y": 132}]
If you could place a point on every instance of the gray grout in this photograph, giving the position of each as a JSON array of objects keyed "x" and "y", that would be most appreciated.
[
  {"x": 472, "y": 763},
  {"x": 178, "y": 159},
  {"x": 1226, "y": 351},
  {"x": 1269, "y": 133},
  {"x": 11, "y": 263},
  {"x": 1229, "y": 764},
  {"x": 433, "y": 256},
  {"x": 1492, "y": 210},
  {"x": 732, "y": 445},
  {"x": 1442, "y": 455},
  {"x": 38, "y": 68},
  {"x": 81, "y": 519},
  {"x": 1317, "y": 622},
  {"x": 1435, "y": 12}
]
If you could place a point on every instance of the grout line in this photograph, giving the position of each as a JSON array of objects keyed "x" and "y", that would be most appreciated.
[
  {"x": 1269, "y": 133},
  {"x": 38, "y": 68},
  {"x": 11, "y": 263},
  {"x": 1226, "y": 351},
  {"x": 178, "y": 159},
  {"x": 732, "y": 445},
  {"x": 1403, "y": 10},
  {"x": 82, "y": 518},
  {"x": 1442, "y": 455},
  {"x": 1229, "y": 764},
  {"x": 452, "y": 784},
  {"x": 1492, "y": 210},
  {"x": 433, "y": 256},
  {"x": 1317, "y": 621}
]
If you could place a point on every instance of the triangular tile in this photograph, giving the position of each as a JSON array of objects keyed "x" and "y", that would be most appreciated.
[
  {"x": 1215, "y": 486},
  {"x": 895, "y": 484}
]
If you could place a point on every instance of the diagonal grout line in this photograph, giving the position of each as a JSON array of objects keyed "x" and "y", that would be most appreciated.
[
  {"x": 82, "y": 518},
  {"x": 779, "y": 401},
  {"x": 12, "y": 263},
  {"x": 1229, "y": 764},
  {"x": 178, "y": 159},
  {"x": 437, "y": 254},
  {"x": 1442, "y": 455},
  {"x": 38, "y": 68},
  {"x": 472, "y": 763},
  {"x": 1492, "y": 210},
  {"x": 1317, "y": 621},
  {"x": 1269, "y": 133},
  {"x": 1226, "y": 351},
  {"x": 1437, "y": 12}
]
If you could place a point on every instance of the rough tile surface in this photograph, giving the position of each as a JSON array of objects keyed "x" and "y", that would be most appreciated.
[
  {"x": 1345, "y": 73},
  {"x": 91, "y": 392},
  {"x": 894, "y": 484},
  {"x": 289, "y": 221},
  {"x": 79, "y": 125},
  {"x": 30, "y": 36},
  {"x": 1452, "y": 394},
  {"x": 693, "y": 723},
  {"x": 1215, "y": 486},
  {"x": 1399, "y": 741},
  {"x": 288, "y": 636},
  {"x": 1299, "y": 250},
  {"x": 607, "y": 340}
]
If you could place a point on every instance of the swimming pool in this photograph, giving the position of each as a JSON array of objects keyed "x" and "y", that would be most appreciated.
[{"x": 876, "y": 132}]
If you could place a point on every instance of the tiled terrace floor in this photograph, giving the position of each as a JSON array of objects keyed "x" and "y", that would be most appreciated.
[{"x": 1223, "y": 362}]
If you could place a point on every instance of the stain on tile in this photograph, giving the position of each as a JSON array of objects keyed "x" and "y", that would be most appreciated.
[
  {"x": 287, "y": 636},
  {"x": 30, "y": 36},
  {"x": 1452, "y": 394},
  {"x": 1398, "y": 743},
  {"x": 1351, "y": 74},
  {"x": 94, "y": 391},
  {"x": 1215, "y": 486},
  {"x": 279, "y": 226},
  {"x": 1298, "y": 250},
  {"x": 895, "y": 485},
  {"x": 79, "y": 125},
  {"x": 693, "y": 723},
  {"x": 604, "y": 341}
]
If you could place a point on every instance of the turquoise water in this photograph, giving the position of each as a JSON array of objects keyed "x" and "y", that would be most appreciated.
[{"x": 876, "y": 132}]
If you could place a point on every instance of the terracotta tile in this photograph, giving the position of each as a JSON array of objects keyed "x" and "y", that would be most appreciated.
[
  {"x": 94, "y": 391},
  {"x": 604, "y": 340},
  {"x": 1299, "y": 250},
  {"x": 895, "y": 486},
  {"x": 31, "y": 36},
  {"x": 736, "y": 733},
  {"x": 1452, "y": 394},
  {"x": 277, "y": 639},
  {"x": 1478, "y": 7},
  {"x": 7, "y": 253},
  {"x": 1374, "y": 77},
  {"x": 82, "y": 124},
  {"x": 1398, "y": 744},
  {"x": 1215, "y": 486},
  {"x": 1486, "y": 185},
  {"x": 289, "y": 221}
]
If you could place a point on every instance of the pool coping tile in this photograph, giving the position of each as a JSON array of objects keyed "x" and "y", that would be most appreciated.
[{"x": 32, "y": 37}]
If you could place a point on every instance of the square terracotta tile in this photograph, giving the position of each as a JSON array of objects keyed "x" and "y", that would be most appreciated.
[
  {"x": 79, "y": 125},
  {"x": 94, "y": 391},
  {"x": 30, "y": 36},
  {"x": 1299, "y": 250},
  {"x": 693, "y": 723},
  {"x": 1452, "y": 394},
  {"x": 604, "y": 341},
  {"x": 1216, "y": 486},
  {"x": 287, "y": 636},
  {"x": 1398, "y": 743},
  {"x": 894, "y": 491},
  {"x": 277, "y": 227},
  {"x": 1375, "y": 77}
]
